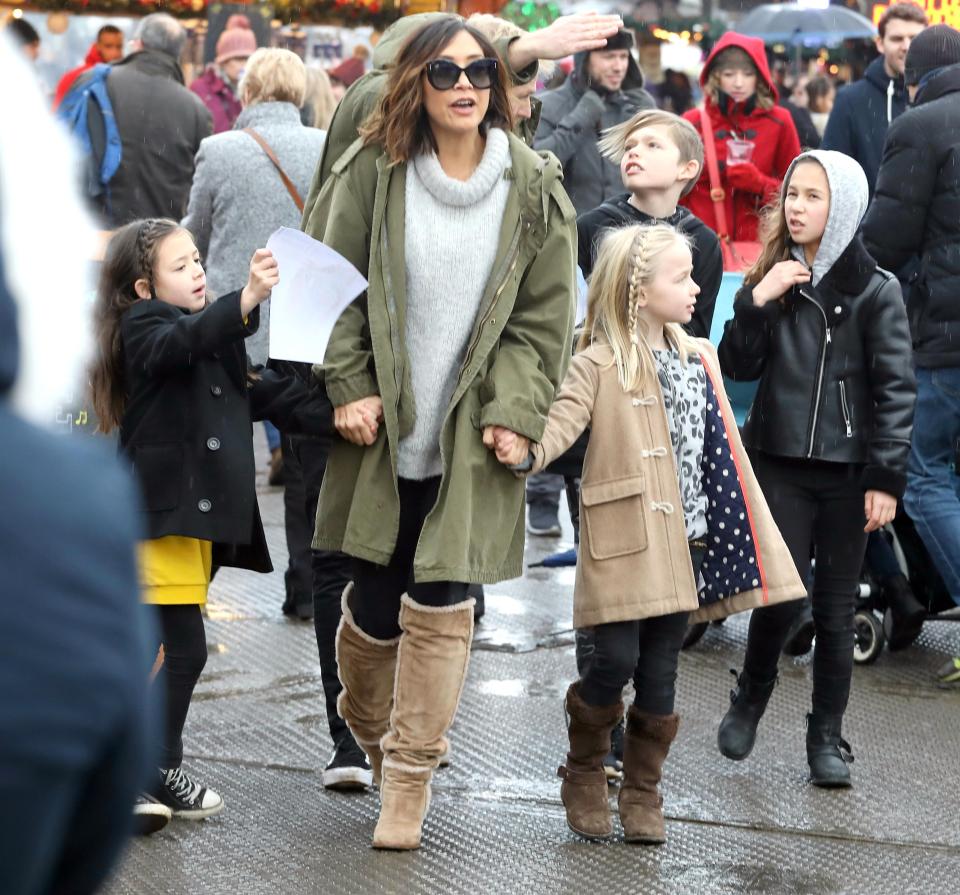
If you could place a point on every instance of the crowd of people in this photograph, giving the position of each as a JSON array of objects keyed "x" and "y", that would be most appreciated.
[{"x": 448, "y": 396}]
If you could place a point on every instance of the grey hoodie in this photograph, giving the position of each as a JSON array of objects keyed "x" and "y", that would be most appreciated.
[{"x": 849, "y": 195}]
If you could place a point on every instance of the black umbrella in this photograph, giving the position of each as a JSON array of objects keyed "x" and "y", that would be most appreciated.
[{"x": 794, "y": 23}]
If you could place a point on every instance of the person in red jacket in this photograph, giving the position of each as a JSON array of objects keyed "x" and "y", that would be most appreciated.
[
  {"x": 755, "y": 138},
  {"x": 108, "y": 47}
]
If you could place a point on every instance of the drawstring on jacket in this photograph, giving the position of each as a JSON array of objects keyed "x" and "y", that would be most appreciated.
[{"x": 890, "y": 102}]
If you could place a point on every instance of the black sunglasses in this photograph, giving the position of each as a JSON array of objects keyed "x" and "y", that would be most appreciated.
[{"x": 444, "y": 74}]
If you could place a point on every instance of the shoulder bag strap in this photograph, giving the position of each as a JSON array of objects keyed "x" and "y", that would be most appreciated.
[
  {"x": 287, "y": 182},
  {"x": 717, "y": 193}
]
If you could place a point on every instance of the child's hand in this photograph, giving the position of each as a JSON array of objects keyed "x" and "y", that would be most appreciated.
[
  {"x": 780, "y": 279},
  {"x": 879, "y": 509},
  {"x": 264, "y": 275},
  {"x": 510, "y": 448}
]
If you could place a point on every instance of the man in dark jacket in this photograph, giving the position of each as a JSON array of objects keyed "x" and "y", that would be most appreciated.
[
  {"x": 161, "y": 124},
  {"x": 74, "y": 653},
  {"x": 863, "y": 111},
  {"x": 916, "y": 212},
  {"x": 606, "y": 88}
]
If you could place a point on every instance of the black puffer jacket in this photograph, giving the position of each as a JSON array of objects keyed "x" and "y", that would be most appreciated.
[
  {"x": 916, "y": 211},
  {"x": 834, "y": 367}
]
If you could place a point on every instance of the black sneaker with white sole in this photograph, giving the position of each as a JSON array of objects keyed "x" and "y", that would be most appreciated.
[
  {"x": 613, "y": 763},
  {"x": 149, "y": 815},
  {"x": 348, "y": 768},
  {"x": 185, "y": 797}
]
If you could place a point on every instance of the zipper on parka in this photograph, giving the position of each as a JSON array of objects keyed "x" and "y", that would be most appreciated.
[
  {"x": 818, "y": 393},
  {"x": 846, "y": 409}
]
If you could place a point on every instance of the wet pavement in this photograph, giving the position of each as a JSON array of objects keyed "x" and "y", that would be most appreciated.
[{"x": 257, "y": 733}]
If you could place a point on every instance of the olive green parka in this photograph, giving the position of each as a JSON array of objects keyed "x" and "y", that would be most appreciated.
[{"x": 515, "y": 361}]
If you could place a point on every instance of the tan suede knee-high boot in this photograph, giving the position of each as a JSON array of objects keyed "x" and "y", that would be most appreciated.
[
  {"x": 584, "y": 788},
  {"x": 645, "y": 747},
  {"x": 431, "y": 670},
  {"x": 367, "y": 670}
]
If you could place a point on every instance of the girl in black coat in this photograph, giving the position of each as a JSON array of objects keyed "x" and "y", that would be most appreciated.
[
  {"x": 825, "y": 332},
  {"x": 172, "y": 374}
]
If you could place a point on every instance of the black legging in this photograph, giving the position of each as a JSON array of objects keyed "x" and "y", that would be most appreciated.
[
  {"x": 184, "y": 655},
  {"x": 646, "y": 649},
  {"x": 377, "y": 589},
  {"x": 816, "y": 504}
]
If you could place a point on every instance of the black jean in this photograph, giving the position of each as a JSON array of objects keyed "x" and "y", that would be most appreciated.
[
  {"x": 377, "y": 589},
  {"x": 298, "y": 525},
  {"x": 646, "y": 649},
  {"x": 816, "y": 505},
  {"x": 184, "y": 655},
  {"x": 329, "y": 575}
]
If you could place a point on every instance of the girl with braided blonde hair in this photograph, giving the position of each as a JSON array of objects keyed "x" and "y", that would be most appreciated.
[{"x": 674, "y": 526}]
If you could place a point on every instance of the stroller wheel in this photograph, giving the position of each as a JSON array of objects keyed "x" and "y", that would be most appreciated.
[
  {"x": 868, "y": 637},
  {"x": 694, "y": 633}
]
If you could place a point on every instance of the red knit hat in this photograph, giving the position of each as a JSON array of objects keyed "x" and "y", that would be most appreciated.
[
  {"x": 348, "y": 71},
  {"x": 236, "y": 43}
]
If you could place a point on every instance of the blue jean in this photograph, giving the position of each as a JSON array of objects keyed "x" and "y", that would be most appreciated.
[
  {"x": 273, "y": 435},
  {"x": 932, "y": 499}
]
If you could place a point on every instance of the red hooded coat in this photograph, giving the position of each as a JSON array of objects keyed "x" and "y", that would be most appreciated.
[
  {"x": 776, "y": 145},
  {"x": 67, "y": 81}
]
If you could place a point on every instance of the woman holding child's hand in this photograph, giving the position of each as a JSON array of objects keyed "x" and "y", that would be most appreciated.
[{"x": 448, "y": 364}]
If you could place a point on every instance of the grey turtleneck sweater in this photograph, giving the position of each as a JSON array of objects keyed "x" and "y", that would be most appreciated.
[{"x": 450, "y": 243}]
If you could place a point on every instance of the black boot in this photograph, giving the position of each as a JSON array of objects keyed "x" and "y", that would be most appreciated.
[
  {"x": 905, "y": 615},
  {"x": 738, "y": 729},
  {"x": 480, "y": 608},
  {"x": 828, "y": 754}
]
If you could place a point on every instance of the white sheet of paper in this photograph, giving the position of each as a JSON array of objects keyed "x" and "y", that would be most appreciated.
[{"x": 316, "y": 285}]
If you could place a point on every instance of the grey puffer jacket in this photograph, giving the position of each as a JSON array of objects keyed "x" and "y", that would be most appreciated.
[
  {"x": 571, "y": 119},
  {"x": 238, "y": 198}
]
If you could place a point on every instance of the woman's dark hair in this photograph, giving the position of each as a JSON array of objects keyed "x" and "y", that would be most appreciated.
[
  {"x": 131, "y": 256},
  {"x": 399, "y": 122},
  {"x": 818, "y": 89}
]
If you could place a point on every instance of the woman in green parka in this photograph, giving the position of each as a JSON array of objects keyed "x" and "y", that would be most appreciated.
[{"x": 468, "y": 241}]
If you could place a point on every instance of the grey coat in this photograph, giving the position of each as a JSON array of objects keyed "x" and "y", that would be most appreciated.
[
  {"x": 571, "y": 119},
  {"x": 238, "y": 199}
]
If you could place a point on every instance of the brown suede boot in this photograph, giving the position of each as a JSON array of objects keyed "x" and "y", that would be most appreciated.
[
  {"x": 431, "y": 670},
  {"x": 645, "y": 748},
  {"x": 367, "y": 668},
  {"x": 584, "y": 788}
]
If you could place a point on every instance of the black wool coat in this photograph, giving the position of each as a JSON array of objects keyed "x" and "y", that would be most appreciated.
[
  {"x": 916, "y": 212},
  {"x": 187, "y": 423},
  {"x": 833, "y": 362}
]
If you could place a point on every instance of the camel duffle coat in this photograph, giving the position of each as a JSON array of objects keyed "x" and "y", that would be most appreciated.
[{"x": 634, "y": 559}]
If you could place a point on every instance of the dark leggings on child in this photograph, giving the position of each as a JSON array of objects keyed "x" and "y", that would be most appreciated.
[
  {"x": 820, "y": 505},
  {"x": 647, "y": 649},
  {"x": 184, "y": 655},
  {"x": 377, "y": 589}
]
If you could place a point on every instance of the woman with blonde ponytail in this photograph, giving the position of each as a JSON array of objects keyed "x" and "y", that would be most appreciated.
[{"x": 673, "y": 520}]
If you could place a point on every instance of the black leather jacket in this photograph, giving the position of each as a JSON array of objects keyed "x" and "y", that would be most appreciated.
[{"x": 834, "y": 363}]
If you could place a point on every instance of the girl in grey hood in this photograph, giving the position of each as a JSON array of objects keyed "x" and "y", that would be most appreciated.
[{"x": 825, "y": 331}]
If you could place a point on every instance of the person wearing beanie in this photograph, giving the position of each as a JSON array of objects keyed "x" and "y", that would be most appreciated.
[
  {"x": 863, "y": 111},
  {"x": 740, "y": 102},
  {"x": 343, "y": 75},
  {"x": 916, "y": 214},
  {"x": 219, "y": 84},
  {"x": 604, "y": 89}
]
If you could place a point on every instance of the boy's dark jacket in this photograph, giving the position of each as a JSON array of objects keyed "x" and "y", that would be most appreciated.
[
  {"x": 916, "y": 211},
  {"x": 833, "y": 362},
  {"x": 707, "y": 258},
  {"x": 187, "y": 423}
]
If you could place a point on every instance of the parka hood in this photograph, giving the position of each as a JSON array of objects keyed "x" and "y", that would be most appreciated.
[
  {"x": 849, "y": 196},
  {"x": 388, "y": 47},
  {"x": 753, "y": 47},
  {"x": 93, "y": 56}
]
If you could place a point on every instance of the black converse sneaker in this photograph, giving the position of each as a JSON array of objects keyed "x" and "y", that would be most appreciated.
[
  {"x": 185, "y": 797},
  {"x": 149, "y": 816},
  {"x": 348, "y": 768}
]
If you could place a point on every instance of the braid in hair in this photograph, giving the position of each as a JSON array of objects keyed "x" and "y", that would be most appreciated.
[
  {"x": 149, "y": 234},
  {"x": 638, "y": 268}
]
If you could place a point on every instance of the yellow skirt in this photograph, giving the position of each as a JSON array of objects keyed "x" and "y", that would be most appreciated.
[{"x": 175, "y": 570}]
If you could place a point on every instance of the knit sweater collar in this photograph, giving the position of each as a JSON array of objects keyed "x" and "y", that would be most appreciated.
[{"x": 461, "y": 193}]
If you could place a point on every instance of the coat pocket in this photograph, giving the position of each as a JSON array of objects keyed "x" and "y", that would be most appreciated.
[
  {"x": 159, "y": 468},
  {"x": 613, "y": 517}
]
